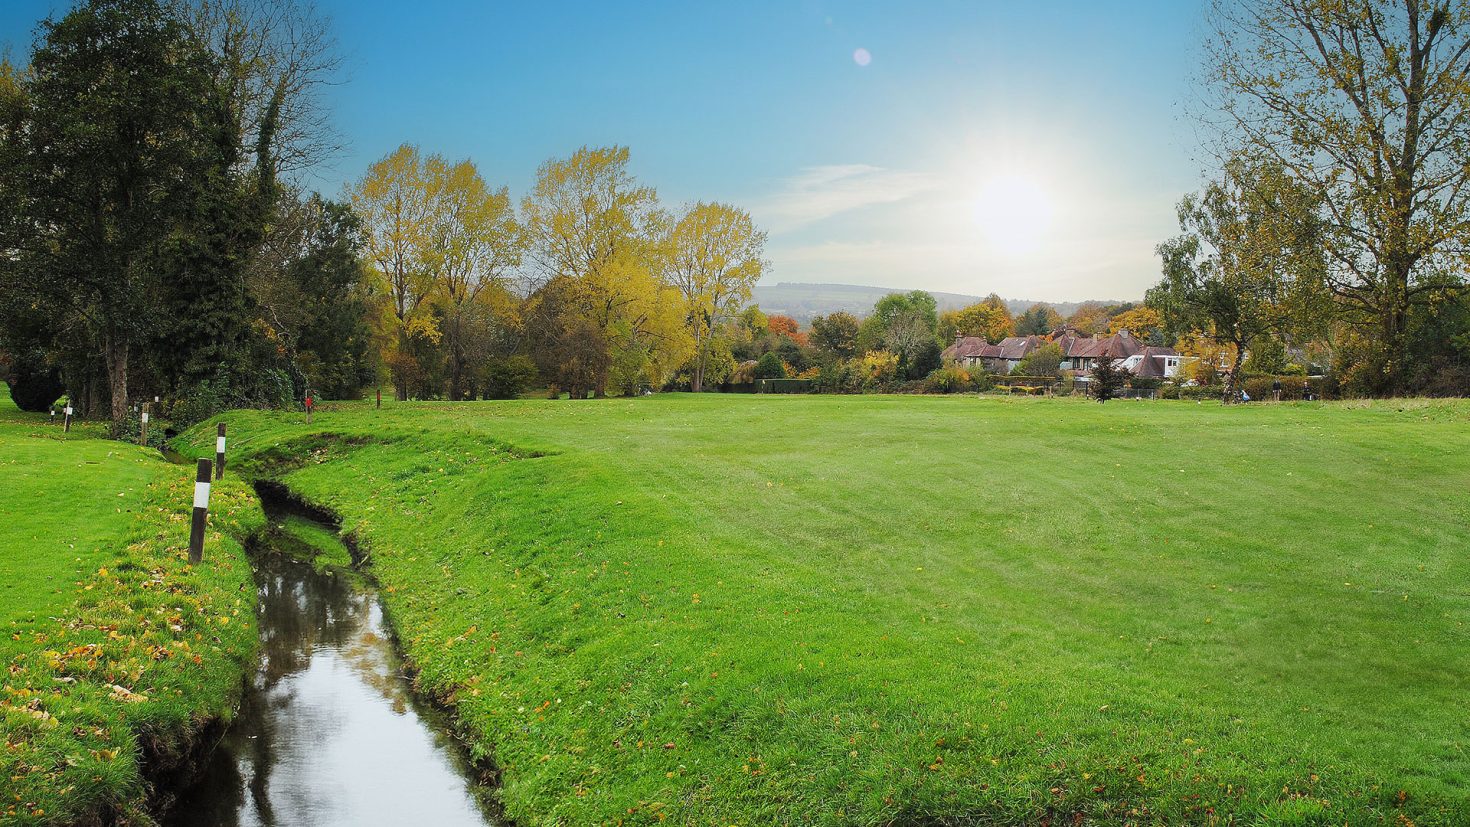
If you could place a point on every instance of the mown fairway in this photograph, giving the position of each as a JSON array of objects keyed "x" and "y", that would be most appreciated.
[
  {"x": 113, "y": 647},
  {"x": 823, "y": 610}
]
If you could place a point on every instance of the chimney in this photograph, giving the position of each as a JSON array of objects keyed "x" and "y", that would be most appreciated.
[{"x": 1124, "y": 333}]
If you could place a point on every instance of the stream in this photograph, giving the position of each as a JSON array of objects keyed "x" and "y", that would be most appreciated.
[{"x": 329, "y": 731}]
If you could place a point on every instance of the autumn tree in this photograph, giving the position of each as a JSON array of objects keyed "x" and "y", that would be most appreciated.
[
  {"x": 474, "y": 243},
  {"x": 393, "y": 201},
  {"x": 1246, "y": 264},
  {"x": 785, "y": 326},
  {"x": 1142, "y": 321},
  {"x": 1089, "y": 317},
  {"x": 588, "y": 220},
  {"x": 713, "y": 257},
  {"x": 1366, "y": 104},
  {"x": 988, "y": 319}
]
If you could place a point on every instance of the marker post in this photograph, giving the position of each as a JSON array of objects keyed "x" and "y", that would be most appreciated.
[
  {"x": 66, "y": 422},
  {"x": 143, "y": 424},
  {"x": 201, "y": 512},
  {"x": 219, "y": 453}
]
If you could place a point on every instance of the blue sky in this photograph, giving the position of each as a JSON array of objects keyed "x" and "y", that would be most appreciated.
[{"x": 1031, "y": 149}]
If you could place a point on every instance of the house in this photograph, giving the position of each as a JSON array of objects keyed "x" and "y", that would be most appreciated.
[
  {"x": 1080, "y": 353},
  {"x": 975, "y": 351}
]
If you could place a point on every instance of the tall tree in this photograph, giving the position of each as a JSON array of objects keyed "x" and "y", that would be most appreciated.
[
  {"x": 713, "y": 255},
  {"x": 588, "y": 220},
  {"x": 119, "y": 115},
  {"x": 1367, "y": 104},
  {"x": 272, "y": 54},
  {"x": 474, "y": 244},
  {"x": 392, "y": 199},
  {"x": 1247, "y": 264}
]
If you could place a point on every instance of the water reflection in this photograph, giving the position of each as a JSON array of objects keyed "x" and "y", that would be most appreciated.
[{"x": 328, "y": 733}]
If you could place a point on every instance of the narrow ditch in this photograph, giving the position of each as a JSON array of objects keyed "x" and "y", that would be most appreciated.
[{"x": 329, "y": 731}]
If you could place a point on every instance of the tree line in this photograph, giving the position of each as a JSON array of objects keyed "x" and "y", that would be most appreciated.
[
  {"x": 155, "y": 243},
  {"x": 590, "y": 285}
]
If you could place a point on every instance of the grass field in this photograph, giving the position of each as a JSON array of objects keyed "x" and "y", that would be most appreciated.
[
  {"x": 114, "y": 648},
  {"x": 907, "y": 610}
]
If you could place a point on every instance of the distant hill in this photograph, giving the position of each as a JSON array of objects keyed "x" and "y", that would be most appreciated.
[{"x": 803, "y": 301}]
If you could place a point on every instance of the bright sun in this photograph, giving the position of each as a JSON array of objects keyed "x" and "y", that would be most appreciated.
[{"x": 1014, "y": 212}]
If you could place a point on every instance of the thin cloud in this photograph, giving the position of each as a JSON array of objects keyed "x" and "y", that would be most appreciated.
[{"x": 818, "y": 193}]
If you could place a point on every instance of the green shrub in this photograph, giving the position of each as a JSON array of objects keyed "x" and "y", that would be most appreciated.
[
  {"x": 1044, "y": 361},
  {"x": 509, "y": 378},
  {"x": 952, "y": 379},
  {"x": 785, "y": 386},
  {"x": 34, "y": 385},
  {"x": 769, "y": 366}
]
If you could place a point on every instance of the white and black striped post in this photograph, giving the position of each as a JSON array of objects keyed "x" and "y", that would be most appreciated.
[
  {"x": 53, "y": 414},
  {"x": 143, "y": 424},
  {"x": 219, "y": 453},
  {"x": 66, "y": 421},
  {"x": 201, "y": 512}
]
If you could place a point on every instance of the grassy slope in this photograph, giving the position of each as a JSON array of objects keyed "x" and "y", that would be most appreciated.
[
  {"x": 869, "y": 610},
  {"x": 95, "y": 593}
]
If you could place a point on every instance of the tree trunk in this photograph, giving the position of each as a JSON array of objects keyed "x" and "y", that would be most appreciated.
[
  {"x": 1395, "y": 320},
  {"x": 116, "y": 354},
  {"x": 1232, "y": 381}
]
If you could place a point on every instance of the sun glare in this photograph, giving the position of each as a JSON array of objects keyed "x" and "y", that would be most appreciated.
[{"x": 1014, "y": 212}]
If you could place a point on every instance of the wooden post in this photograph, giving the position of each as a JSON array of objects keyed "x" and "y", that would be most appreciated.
[
  {"x": 143, "y": 424},
  {"x": 380, "y": 396},
  {"x": 201, "y": 512},
  {"x": 219, "y": 453},
  {"x": 66, "y": 422},
  {"x": 53, "y": 414},
  {"x": 308, "y": 408}
]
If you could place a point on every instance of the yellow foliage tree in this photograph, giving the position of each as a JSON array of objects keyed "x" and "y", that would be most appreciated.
[
  {"x": 1140, "y": 319},
  {"x": 593, "y": 232},
  {"x": 988, "y": 319},
  {"x": 712, "y": 254}
]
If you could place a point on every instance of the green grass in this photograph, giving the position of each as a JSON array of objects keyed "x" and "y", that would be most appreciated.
[
  {"x": 310, "y": 541},
  {"x": 900, "y": 610},
  {"x": 114, "y": 647}
]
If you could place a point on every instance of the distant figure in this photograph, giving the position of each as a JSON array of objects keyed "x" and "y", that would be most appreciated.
[{"x": 1276, "y": 389}]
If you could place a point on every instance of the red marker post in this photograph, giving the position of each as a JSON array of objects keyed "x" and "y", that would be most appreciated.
[
  {"x": 219, "y": 453},
  {"x": 308, "y": 408},
  {"x": 201, "y": 512}
]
